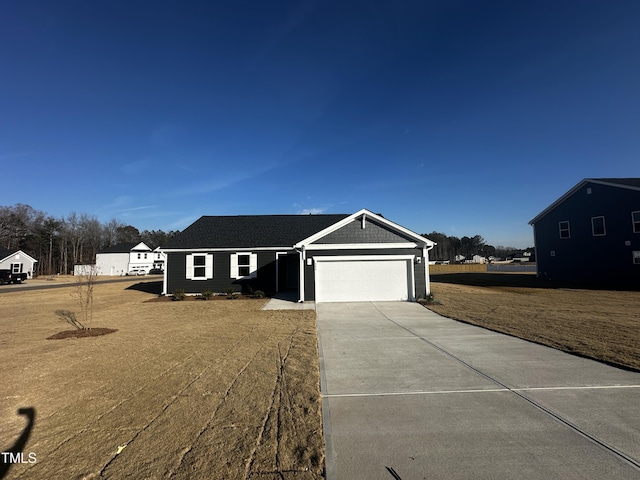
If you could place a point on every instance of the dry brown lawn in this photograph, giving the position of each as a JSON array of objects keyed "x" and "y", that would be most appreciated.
[
  {"x": 216, "y": 390},
  {"x": 599, "y": 324}
]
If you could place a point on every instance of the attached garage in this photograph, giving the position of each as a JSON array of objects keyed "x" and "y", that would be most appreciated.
[{"x": 364, "y": 278}]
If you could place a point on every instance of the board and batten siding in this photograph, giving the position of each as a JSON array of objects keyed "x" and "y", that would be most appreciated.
[{"x": 582, "y": 256}]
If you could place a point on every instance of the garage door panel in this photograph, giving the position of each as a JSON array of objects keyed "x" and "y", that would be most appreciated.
[{"x": 363, "y": 280}]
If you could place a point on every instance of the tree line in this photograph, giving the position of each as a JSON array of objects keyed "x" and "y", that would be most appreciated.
[
  {"x": 448, "y": 247},
  {"x": 60, "y": 243}
]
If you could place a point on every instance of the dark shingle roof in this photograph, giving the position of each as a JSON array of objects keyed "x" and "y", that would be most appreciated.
[
  {"x": 4, "y": 253},
  {"x": 249, "y": 231}
]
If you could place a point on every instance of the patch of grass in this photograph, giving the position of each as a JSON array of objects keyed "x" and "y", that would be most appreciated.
[
  {"x": 213, "y": 389},
  {"x": 600, "y": 324}
]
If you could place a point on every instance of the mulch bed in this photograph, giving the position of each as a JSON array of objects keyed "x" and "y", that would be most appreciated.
[
  {"x": 85, "y": 332},
  {"x": 192, "y": 298}
]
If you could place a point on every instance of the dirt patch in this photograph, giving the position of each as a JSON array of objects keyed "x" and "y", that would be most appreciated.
[
  {"x": 200, "y": 389},
  {"x": 598, "y": 324}
]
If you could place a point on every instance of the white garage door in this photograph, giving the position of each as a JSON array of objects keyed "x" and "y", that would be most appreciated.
[{"x": 362, "y": 278}]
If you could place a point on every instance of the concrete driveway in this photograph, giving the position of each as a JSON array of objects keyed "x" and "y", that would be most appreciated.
[{"x": 408, "y": 394}]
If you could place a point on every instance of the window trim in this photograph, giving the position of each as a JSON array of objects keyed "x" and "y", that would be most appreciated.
[
  {"x": 568, "y": 229},
  {"x": 635, "y": 224},
  {"x": 604, "y": 227},
  {"x": 191, "y": 266},
  {"x": 235, "y": 265},
  {"x": 635, "y": 255}
]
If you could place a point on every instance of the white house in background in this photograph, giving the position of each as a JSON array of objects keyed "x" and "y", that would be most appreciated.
[
  {"x": 124, "y": 257},
  {"x": 159, "y": 259},
  {"x": 17, "y": 261}
]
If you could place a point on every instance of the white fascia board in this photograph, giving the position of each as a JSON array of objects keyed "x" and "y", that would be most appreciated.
[
  {"x": 580, "y": 184},
  {"x": 18, "y": 252},
  {"x": 336, "y": 226},
  {"x": 357, "y": 246},
  {"x": 226, "y": 249},
  {"x": 142, "y": 247},
  {"x": 348, "y": 258}
]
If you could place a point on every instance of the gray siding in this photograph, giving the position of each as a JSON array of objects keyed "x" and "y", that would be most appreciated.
[
  {"x": 584, "y": 257},
  {"x": 372, "y": 233}
]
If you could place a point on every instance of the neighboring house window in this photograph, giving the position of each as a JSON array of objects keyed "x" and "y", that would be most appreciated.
[
  {"x": 597, "y": 226},
  {"x": 138, "y": 256},
  {"x": 635, "y": 216},
  {"x": 16, "y": 268},
  {"x": 244, "y": 265},
  {"x": 145, "y": 256},
  {"x": 199, "y": 266},
  {"x": 564, "y": 230},
  {"x": 636, "y": 258}
]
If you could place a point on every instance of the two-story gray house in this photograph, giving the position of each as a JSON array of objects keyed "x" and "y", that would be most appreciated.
[{"x": 592, "y": 234}]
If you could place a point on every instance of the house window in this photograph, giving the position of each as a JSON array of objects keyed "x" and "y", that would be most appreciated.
[
  {"x": 597, "y": 226},
  {"x": 145, "y": 256},
  {"x": 636, "y": 258},
  {"x": 244, "y": 265},
  {"x": 564, "y": 230},
  {"x": 16, "y": 268},
  {"x": 199, "y": 266},
  {"x": 635, "y": 218},
  {"x": 138, "y": 256}
]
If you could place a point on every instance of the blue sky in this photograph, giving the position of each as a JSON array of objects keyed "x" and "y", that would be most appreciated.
[{"x": 465, "y": 117}]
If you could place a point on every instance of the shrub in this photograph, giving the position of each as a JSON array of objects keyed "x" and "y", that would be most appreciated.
[
  {"x": 207, "y": 294},
  {"x": 429, "y": 299},
  {"x": 258, "y": 294},
  {"x": 179, "y": 295}
]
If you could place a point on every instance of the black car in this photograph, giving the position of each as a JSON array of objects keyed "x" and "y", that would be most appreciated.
[{"x": 156, "y": 271}]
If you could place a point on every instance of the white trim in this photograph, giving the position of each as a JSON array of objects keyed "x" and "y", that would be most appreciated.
[
  {"x": 208, "y": 266},
  {"x": 362, "y": 246},
  {"x": 577, "y": 187},
  {"x": 358, "y": 258},
  {"x": 235, "y": 266},
  {"x": 345, "y": 221},
  {"x": 225, "y": 249},
  {"x": 349, "y": 258},
  {"x": 18, "y": 252},
  {"x": 303, "y": 257},
  {"x": 568, "y": 229}
]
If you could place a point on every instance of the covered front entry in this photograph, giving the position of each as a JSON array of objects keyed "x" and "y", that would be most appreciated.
[{"x": 364, "y": 278}]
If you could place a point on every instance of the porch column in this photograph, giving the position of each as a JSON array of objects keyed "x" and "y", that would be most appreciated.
[{"x": 303, "y": 259}]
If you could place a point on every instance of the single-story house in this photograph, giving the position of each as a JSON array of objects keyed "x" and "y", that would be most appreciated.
[
  {"x": 325, "y": 258},
  {"x": 121, "y": 258},
  {"x": 17, "y": 261},
  {"x": 591, "y": 234}
]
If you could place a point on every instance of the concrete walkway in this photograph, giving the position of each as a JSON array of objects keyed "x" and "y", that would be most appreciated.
[
  {"x": 410, "y": 394},
  {"x": 288, "y": 301}
]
